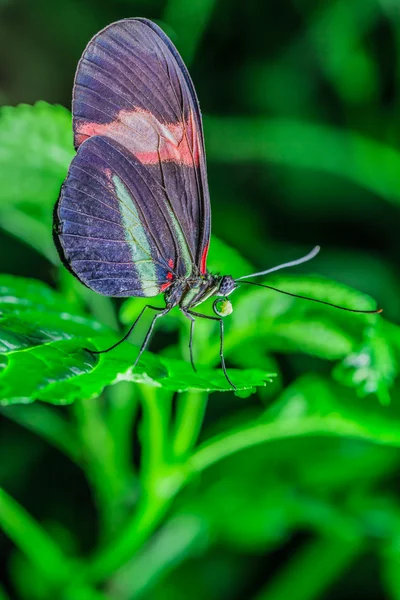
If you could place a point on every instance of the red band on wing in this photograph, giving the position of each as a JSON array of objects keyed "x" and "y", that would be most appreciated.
[
  {"x": 148, "y": 139},
  {"x": 203, "y": 266}
]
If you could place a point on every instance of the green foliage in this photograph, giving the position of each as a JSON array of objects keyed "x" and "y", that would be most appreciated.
[
  {"x": 45, "y": 339},
  {"x": 149, "y": 483},
  {"x": 372, "y": 367},
  {"x": 346, "y": 154},
  {"x": 36, "y": 148}
]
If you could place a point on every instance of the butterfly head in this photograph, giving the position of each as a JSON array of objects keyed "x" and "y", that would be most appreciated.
[
  {"x": 226, "y": 285},
  {"x": 222, "y": 305}
]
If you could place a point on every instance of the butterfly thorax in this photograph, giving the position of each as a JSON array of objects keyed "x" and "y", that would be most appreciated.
[{"x": 189, "y": 292}]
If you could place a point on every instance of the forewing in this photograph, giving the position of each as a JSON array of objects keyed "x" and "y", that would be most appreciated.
[
  {"x": 113, "y": 225},
  {"x": 132, "y": 86}
]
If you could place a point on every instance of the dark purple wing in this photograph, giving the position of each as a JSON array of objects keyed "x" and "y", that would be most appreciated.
[
  {"x": 132, "y": 86},
  {"x": 114, "y": 225}
]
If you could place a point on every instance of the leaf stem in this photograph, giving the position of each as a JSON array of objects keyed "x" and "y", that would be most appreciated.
[
  {"x": 160, "y": 480},
  {"x": 33, "y": 541},
  {"x": 101, "y": 464},
  {"x": 225, "y": 445},
  {"x": 312, "y": 570},
  {"x": 191, "y": 408},
  {"x": 156, "y": 405},
  {"x": 145, "y": 521},
  {"x": 179, "y": 538},
  {"x": 122, "y": 400}
]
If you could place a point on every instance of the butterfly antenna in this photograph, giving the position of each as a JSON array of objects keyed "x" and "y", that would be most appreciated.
[
  {"x": 354, "y": 310},
  {"x": 292, "y": 263}
]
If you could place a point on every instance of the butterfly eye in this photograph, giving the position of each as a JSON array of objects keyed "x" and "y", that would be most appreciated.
[
  {"x": 222, "y": 307},
  {"x": 226, "y": 286}
]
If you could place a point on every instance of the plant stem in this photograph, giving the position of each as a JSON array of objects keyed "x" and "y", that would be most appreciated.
[
  {"x": 33, "y": 541},
  {"x": 191, "y": 407},
  {"x": 160, "y": 480},
  {"x": 122, "y": 400},
  {"x": 148, "y": 516},
  {"x": 156, "y": 405},
  {"x": 312, "y": 570},
  {"x": 178, "y": 539},
  {"x": 101, "y": 465},
  {"x": 225, "y": 445},
  {"x": 58, "y": 570}
]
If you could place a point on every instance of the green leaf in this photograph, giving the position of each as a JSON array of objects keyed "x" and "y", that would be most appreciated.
[
  {"x": 311, "y": 406},
  {"x": 32, "y": 313},
  {"x": 224, "y": 259},
  {"x": 337, "y": 410},
  {"x": 371, "y": 369},
  {"x": 43, "y": 338},
  {"x": 181, "y": 378},
  {"x": 296, "y": 143},
  {"x": 19, "y": 293},
  {"x": 35, "y": 151},
  {"x": 276, "y": 322},
  {"x": 289, "y": 324}
]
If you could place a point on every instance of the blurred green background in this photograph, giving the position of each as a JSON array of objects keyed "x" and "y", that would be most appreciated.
[{"x": 301, "y": 107}]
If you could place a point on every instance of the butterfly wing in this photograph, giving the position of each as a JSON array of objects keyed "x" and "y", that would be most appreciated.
[
  {"x": 132, "y": 86},
  {"x": 114, "y": 226}
]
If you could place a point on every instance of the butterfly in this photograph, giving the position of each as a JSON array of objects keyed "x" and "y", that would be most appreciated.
[{"x": 133, "y": 216}]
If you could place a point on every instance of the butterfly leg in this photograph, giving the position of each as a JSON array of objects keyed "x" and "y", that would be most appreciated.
[
  {"x": 128, "y": 333},
  {"x": 163, "y": 312},
  {"x": 192, "y": 319},
  {"x": 221, "y": 346}
]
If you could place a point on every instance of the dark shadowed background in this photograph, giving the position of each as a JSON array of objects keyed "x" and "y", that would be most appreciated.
[{"x": 301, "y": 109}]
